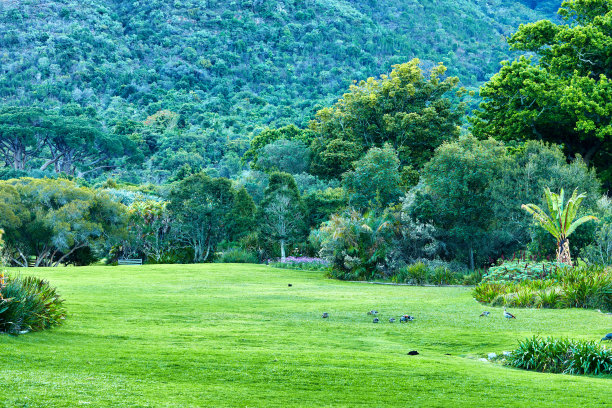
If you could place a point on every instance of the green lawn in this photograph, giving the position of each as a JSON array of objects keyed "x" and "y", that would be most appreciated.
[{"x": 237, "y": 335}]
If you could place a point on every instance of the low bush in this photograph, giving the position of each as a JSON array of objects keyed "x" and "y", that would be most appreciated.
[
  {"x": 582, "y": 286},
  {"x": 28, "y": 304},
  {"x": 562, "y": 356},
  {"x": 237, "y": 255},
  {"x": 518, "y": 271},
  {"x": 420, "y": 274}
]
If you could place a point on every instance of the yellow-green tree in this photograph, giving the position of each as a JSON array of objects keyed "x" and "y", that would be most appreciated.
[{"x": 409, "y": 109}]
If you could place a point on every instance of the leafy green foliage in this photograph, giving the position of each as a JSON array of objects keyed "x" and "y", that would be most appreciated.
[
  {"x": 357, "y": 245},
  {"x": 216, "y": 62},
  {"x": 563, "y": 96},
  {"x": 201, "y": 207},
  {"x": 242, "y": 218},
  {"x": 516, "y": 271},
  {"x": 580, "y": 287},
  {"x": 375, "y": 181},
  {"x": 600, "y": 250},
  {"x": 562, "y": 219},
  {"x": 289, "y": 156},
  {"x": 70, "y": 140},
  {"x": 237, "y": 255},
  {"x": 52, "y": 219},
  {"x": 148, "y": 232},
  {"x": 531, "y": 168},
  {"x": 562, "y": 356},
  {"x": 321, "y": 204},
  {"x": 28, "y": 304},
  {"x": 407, "y": 109},
  {"x": 281, "y": 215},
  {"x": 419, "y": 274},
  {"x": 455, "y": 198}
]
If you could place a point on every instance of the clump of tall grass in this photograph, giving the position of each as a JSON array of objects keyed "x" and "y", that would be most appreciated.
[
  {"x": 28, "y": 304},
  {"x": 562, "y": 356}
]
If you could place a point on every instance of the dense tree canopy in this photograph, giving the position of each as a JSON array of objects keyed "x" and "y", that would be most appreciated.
[
  {"x": 565, "y": 95},
  {"x": 455, "y": 195},
  {"x": 375, "y": 181},
  {"x": 70, "y": 141},
  {"x": 409, "y": 109},
  {"x": 201, "y": 206},
  {"x": 52, "y": 219}
]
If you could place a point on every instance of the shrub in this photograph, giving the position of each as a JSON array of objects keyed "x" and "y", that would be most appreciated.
[
  {"x": 415, "y": 274},
  {"x": 562, "y": 356},
  {"x": 357, "y": 245},
  {"x": 237, "y": 255},
  {"x": 419, "y": 273},
  {"x": 473, "y": 278},
  {"x": 582, "y": 286},
  {"x": 29, "y": 304},
  {"x": 487, "y": 292},
  {"x": 550, "y": 298},
  {"x": 517, "y": 271}
]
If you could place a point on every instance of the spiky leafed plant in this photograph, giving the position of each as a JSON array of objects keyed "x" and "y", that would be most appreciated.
[{"x": 560, "y": 223}]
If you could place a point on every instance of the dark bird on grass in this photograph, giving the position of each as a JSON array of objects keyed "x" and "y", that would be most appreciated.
[
  {"x": 508, "y": 315},
  {"x": 290, "y": 285},
  {"x": 373, "y": 312},
  {"x": 406, "y": 318},
  {"x": 325, "y": 315},
  {"x": 375, "y": 320},
  {"x": 485, "y": 314},
  {"x": 607, "y": 337},
  {"x": 413, "y": 353},
  {"x": 392, "y": 320}
]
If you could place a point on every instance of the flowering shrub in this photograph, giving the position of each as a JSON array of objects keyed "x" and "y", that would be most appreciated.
[
  {"x": 518, "y": 271},
  {"x": 304, "y": 262}
]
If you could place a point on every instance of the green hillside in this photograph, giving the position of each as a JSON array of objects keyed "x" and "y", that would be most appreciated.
[{"x": 231, "y": 68}]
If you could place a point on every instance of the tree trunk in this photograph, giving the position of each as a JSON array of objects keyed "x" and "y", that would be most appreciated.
[
  {"x": 282, "y": 244},
  {"x": 563, "y": 252},
  {"x": 66, "y": 255},
  {"x": 471, "y": 258}
]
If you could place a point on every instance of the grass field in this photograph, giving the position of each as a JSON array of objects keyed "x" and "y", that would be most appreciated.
[{"x": 237, "y": 335}]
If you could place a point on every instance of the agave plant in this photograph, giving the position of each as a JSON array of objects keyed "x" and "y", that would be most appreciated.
[{"x": 560, "y": 223}]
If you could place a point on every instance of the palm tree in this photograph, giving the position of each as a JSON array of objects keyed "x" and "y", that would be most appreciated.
[{"x": 561, "y": 221}]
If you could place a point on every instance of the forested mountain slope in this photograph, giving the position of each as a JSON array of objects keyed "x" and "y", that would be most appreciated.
[{"x": 230, "y": 68}]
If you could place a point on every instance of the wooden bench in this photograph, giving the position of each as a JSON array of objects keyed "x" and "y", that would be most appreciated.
[{"x": 129, "y": 262}]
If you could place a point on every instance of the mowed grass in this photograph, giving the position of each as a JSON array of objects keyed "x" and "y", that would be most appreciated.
[{"x": 237, "y": 335}]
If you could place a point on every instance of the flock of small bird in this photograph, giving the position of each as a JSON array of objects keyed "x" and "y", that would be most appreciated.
[
  {"x": 403, "y": 319},
  {"x": 486, "y": 313},
  {"x": 407, "y": 318}
]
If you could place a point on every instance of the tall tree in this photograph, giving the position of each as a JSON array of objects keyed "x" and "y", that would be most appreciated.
[
  {"x": 455, "y": 197},
  {"x": 242, "y": 218},
  {"x": 201, "y": 206},
  {"x": 282, "y": 211},
  {"x": 56, "y": 218},
  {"x": 565, "y": 95},
  {"x": 408, "y": 109},
  {"x": 375, "y": 181},
  {"x": 23, "y": 131}
]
